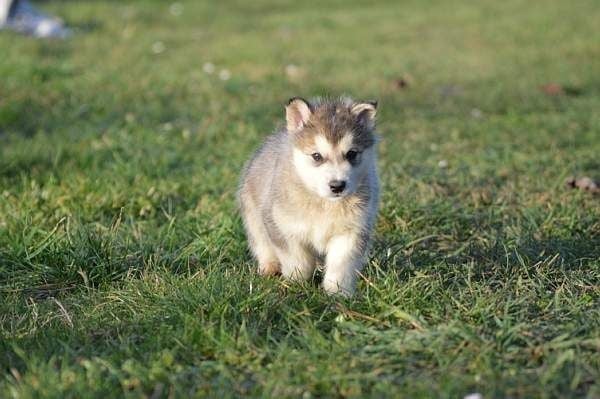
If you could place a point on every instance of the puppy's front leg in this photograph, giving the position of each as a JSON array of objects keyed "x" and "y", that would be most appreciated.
[
  {"x": 344, "y": 259},
  {"x": 297, "y": 262}
]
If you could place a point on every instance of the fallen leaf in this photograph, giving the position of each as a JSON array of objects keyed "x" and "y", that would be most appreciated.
[
  {"x": 553, "y": 89},
  {"x": 556, "y": 89},
  {"x": 584, "y": 183},
  {"x": 402, "y": 82}
]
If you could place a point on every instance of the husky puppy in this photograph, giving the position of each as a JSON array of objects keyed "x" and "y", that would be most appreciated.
[{"x": 311, "y": 192}]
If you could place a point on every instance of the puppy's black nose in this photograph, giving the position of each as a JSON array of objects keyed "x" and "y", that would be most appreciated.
[{"x": 337, "y": 186}]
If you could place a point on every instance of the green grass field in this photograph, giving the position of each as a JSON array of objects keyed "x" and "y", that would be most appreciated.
[{"x": 123, "y": 263}]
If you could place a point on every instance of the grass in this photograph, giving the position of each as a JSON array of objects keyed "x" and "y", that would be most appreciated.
[{"x": 123, "y": 264}]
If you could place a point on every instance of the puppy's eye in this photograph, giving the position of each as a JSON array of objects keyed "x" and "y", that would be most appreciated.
[
  {"x": 351, "y": 155},
  {"x": 317, "y": 157}
]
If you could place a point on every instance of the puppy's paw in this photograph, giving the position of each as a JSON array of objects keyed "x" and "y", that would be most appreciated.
[
  {"x": 336, "y": 287},
  {"x": 272, "y": 268}
]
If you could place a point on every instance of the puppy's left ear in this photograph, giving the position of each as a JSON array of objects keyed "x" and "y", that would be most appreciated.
[{"x": 365, "y": 113}]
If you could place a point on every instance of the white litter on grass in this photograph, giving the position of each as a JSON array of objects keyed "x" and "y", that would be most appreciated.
[
  {"x": 224, "y": 74},
  {"x": 208, "y": 67},
  {"x": 158, "y": 47},
  {"x": 473, "y": 396},
  {"x": 47, "y": 28},
  {"x": 129, "y": 117},
  {"x": 443, "y": 164},
  {"x": 176, "y": 9},
  {"x": 295, "y": 73},
  {"x": 292, "y": 70}
]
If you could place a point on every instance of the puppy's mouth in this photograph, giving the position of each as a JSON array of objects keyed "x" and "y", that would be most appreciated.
[{"x": 338, "y": 196}]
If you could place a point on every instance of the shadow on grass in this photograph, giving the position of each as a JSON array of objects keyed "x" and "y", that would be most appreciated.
[
  {"x": 501, "y": 258},
  {"x": 12, "y": 169},
  {"x": 83, "y": 27},
  {"x": 22, "y": 117}
]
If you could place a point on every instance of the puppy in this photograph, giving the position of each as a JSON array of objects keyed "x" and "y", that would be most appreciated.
[{"x": 311, "y": 193}]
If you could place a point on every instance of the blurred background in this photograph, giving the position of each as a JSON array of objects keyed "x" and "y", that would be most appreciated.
[
  {"x": 179, "y": 62},
  {"x": 123, "y": 130}
]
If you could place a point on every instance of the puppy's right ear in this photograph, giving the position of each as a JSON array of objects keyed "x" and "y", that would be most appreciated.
[{"x": 297, "y": 113}]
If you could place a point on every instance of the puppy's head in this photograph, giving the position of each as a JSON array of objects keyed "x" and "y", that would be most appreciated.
[{"x": 333, "y": 143}]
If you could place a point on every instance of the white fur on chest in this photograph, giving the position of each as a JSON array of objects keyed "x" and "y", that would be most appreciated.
[{"x": 310, "y": 228}]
